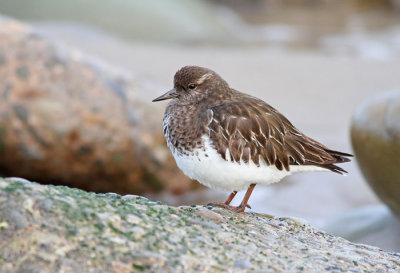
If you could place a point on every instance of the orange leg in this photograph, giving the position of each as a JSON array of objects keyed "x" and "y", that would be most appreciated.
[
  {"x": 243, "y": 204},
  {"x": 226, "y": 203},
  {"x": 230, "y": 197}
]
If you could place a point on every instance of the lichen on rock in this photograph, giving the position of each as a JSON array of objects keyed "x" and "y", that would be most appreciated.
[{"x": 59, "y": 229}]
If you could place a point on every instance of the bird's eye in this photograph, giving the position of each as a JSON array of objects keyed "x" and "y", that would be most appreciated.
[{"x": 192, "y": 86}]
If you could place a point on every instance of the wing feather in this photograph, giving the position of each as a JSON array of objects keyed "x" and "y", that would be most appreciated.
[{"x": 252, "y": 129}]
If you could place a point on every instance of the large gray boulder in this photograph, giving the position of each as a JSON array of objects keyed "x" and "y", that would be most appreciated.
[
  {"x": 69, "y": 119},
  {"x": 375, "y": 134},
  {"x": 59, "y": 229}
]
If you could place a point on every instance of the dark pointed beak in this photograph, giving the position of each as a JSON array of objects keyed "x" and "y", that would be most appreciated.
[{"x": 169, "y": 95}]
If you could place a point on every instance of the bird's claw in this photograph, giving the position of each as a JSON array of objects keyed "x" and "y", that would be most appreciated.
[
  {"x": 238, "y": 209},
  {"x": 221, "y": 205}
]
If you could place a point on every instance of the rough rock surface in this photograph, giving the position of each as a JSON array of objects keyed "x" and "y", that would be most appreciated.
[
  {"x": 59, "y": 229},
  {"x": 69, "y": 119},
  {"x": 375, "y": 134}
]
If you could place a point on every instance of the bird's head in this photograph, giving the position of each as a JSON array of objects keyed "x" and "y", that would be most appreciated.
[{"x": 193, "y": 84}]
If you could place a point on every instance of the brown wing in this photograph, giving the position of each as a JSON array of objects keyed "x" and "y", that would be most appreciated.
[{"x": 253, "y": 130}]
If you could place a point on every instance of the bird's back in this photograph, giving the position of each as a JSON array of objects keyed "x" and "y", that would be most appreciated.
[{"x": 252, "y": 130}]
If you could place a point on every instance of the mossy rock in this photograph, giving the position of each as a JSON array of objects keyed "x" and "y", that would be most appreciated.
[{"x": 60, "y": 229}]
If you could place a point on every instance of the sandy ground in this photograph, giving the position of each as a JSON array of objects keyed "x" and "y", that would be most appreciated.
[{"x": 317, "y": 92}]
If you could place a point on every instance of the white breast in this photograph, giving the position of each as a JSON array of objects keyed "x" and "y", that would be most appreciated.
[{"x": 210, "y": 169}]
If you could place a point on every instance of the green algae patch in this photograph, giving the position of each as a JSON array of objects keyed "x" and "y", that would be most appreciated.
[{"x": 15, "y": 186}]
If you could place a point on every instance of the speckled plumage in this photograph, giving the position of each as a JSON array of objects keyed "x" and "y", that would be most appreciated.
[{"x": 227, "y": 139}]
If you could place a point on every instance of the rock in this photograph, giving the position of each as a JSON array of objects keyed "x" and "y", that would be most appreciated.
[
  {"x": 375, "y": 134},
  {"x": 68, "y": 119},
  {"x": 106, "y": 232}
]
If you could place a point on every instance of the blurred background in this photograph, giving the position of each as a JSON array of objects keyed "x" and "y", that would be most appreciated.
[{"x": 77, "y": 78}]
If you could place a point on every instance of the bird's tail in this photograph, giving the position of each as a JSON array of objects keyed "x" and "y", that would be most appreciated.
[{"x": 340, "y": 158}]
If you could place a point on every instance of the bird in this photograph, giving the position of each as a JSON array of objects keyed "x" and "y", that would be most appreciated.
[{"x": 229, "y": 140}]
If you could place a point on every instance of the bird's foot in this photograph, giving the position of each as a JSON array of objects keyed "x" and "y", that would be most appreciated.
[
  {"x": 221, "y": 205},
  {"x": 238, "y": 209}
]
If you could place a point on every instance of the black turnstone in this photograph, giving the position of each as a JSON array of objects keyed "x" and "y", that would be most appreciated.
[{"x": 230, "y": 140}]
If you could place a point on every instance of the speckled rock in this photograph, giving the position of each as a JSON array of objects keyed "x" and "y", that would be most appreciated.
[
  {"x": 69, "y": 119},
  {"x": 375, "y": 134},
  {"x": 59, "y": 229}
]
